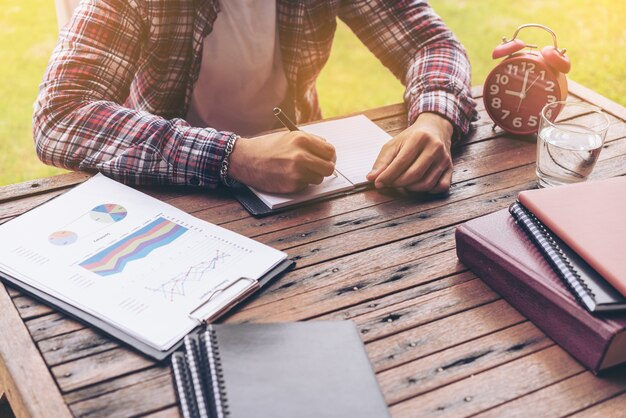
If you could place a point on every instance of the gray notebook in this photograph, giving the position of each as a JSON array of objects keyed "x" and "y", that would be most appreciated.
[
  {"x": 589, "y": 288},
  {"x": 302, "y": 369}
]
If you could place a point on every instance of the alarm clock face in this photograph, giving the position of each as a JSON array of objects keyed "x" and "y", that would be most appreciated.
[{"x": 518, "y": 88}]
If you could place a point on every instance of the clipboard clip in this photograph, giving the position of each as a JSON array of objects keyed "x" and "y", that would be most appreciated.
[{"x": 203, "y": 315}]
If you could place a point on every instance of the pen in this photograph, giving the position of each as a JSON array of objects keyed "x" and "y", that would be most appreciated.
[
  {"x": 282, "y": 117},
  {"x": 285, "y": 120}
]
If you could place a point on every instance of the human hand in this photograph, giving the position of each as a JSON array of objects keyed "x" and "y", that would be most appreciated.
[
  {"x": 282, "y": 162},
  {"x": 418, "y": 159}
]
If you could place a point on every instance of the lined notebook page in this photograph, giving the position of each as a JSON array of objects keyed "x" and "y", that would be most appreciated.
[
  {"x": 330, "y": 185},
  {"x": 357, "y": 141}
]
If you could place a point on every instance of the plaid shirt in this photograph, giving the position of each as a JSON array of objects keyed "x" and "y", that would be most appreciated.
[{"x": 119, "y": 81}]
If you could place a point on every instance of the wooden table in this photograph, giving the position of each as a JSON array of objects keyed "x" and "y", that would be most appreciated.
[{"x": 442, "y": 343}]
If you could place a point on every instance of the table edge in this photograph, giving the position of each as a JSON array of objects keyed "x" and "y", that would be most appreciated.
[{"x": 27, "y": 382}]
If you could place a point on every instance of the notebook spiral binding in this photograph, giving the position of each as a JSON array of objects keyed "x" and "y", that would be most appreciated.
[
  {"x": 184, "y": 386},
  {"x": 217, "y": 374},
  {"x": 545, "y": 242},
  {"x": 196, "y": 366}
]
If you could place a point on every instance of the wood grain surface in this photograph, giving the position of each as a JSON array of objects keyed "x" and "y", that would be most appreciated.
[{"x": 441, "y": 342}]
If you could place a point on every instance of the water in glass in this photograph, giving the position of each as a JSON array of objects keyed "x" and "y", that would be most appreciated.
[{"x": 566, "y": 156}]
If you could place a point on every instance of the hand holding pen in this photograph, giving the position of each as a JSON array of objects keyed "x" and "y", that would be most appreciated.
[
  {"x": 287, "y": 123},
  {"x": 282, "y": 162}
]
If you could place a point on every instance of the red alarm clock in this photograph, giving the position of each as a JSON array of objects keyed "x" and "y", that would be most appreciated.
[{"x": 524, "y": 82}]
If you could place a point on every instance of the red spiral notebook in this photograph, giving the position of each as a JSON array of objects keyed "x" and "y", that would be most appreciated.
[{"x": 590, "y": 218}]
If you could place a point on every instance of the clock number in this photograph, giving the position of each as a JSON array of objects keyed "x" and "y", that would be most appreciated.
[
  {"x": 549, "y": 114},
  {"x": 517, "y": 122},
  {"x": 513, "y": 68},
  {"x": 551, "y": 99},
  {"x": 550, "y": 86},
  {"x": 505, "y": 114},
  {"x": 532, "y": 121},
  {"x": 542, "y": 75},
  {"x": 496, "y": 103},
  {"x": 494, "y": 89},
  {"x": 528, "y": 66},
  {"x": 502, "y": 79}
]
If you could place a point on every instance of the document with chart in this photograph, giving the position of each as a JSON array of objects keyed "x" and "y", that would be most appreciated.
[{"x": 147, "y": 269}]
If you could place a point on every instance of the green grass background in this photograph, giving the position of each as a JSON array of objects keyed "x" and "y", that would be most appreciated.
[{"x": 353, "y": 80}]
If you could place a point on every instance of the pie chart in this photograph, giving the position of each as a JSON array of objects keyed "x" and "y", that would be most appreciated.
[
  {"x": 62, "y": 238},
  {"x": 108, "y": 213}
]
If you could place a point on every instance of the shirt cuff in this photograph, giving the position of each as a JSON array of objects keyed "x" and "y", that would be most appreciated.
[{"x": 198, "y": 159}]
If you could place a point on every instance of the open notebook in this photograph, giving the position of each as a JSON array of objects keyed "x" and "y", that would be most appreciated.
[{"x": 357, "y": 141}]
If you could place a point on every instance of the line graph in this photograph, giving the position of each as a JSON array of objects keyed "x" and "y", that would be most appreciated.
[{"x": 176, "y": 285}]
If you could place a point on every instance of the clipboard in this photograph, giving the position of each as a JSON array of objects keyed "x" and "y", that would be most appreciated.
[{"x": 243, "y": 292}]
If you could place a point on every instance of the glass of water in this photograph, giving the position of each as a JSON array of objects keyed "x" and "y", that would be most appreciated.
[{"x": 569, "y": 141}]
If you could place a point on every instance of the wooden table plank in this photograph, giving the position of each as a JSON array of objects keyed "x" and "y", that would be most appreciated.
[
  {"x": 609, "y": 408},
  {"x": 171, "y": 412},
  {"x": 566, "y": 397},
  {"x": 33, "y": 187},
  {"x": 157, "y": 393},
  {"x": 460, "y": 362},
  {"x": 12, "y": 208},
  {"x": 406, "y": 315},
  {"x": 98, "y": 367},
  {"x": 427, "y": 339},
  {"x": 341, "y": 288},
  {"x": 12, "y": 292},
  {"x": 115, "y": 384},
  {"x": 597, "y": 99},
  {"x": 24, "y": 377},
  {"x": 52, "y": 325},
  {"x": 492, "y": 387},
  {"x": 74, "y": 345},
  {"x": 29, "y": 308}
]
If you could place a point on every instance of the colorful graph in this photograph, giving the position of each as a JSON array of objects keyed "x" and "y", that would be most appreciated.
[
  {"x": 108, "y": 213},
  {"x": 62, "y": 238},
  {"x": 138, "y": 245},
  {"x": 176, "y": 285}
]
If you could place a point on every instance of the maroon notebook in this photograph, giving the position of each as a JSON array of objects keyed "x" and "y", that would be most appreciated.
[{"x": 501, "y": 254}]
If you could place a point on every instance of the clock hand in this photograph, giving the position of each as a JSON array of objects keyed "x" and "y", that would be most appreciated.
[
  {"x": 513, "y": 93},
  {"x": 523, "y": 92},
  {"x": 532, "y": 84},
  {"x": 522, "y": 95}
]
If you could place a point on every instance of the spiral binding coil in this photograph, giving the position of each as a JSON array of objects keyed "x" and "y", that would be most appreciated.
[
  {"x": 536, "y": 231},
  {"x": 183, "y": 383},
  {"x": 217, "y": 373},
  {"x": 196, "y": 365}
]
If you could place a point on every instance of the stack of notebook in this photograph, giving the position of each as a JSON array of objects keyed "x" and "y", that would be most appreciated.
[{"x": 557, "y": 256}]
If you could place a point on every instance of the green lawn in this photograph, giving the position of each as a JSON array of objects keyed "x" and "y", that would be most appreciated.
[{"x": 353, "y": 80}]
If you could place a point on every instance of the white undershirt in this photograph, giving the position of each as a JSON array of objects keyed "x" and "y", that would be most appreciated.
[{"x": 241, "y": 76}]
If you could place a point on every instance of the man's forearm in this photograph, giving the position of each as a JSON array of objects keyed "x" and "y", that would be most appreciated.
[
  {"x": 81, "y": 121},
  {"x": 439, "y": 81}
]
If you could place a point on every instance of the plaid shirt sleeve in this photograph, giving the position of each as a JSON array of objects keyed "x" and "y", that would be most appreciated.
[
  {"x": 413, "y": 42},
  {"x": 80, "y": 121}
]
